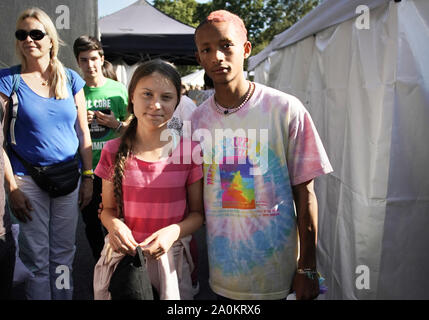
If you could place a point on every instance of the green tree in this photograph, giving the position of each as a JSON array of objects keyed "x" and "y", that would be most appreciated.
[
  {"x": 263, "y": 18},
  {"x": 181, "y": 10},
  {"x": 185, "y": 12},
  {"x": 280, "y": 15}
]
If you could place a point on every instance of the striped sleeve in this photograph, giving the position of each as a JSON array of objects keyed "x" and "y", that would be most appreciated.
[{"x": 106, "y": 164}]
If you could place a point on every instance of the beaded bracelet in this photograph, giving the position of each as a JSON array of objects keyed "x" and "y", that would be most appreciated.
[{"x": 310, "y": 273}]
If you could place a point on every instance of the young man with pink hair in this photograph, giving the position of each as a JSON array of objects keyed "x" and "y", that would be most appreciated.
[{"x": 261, "y": 154}]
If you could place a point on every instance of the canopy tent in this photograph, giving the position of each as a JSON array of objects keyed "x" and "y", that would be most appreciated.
[
  {"x": 194, "y": 79},
  {"x": 141, "y": 32},
  {"x": 368, "y": 93}
]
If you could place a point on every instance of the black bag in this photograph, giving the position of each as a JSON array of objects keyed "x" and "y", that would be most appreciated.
[
  {"x": 130, "y": 280},
  {"x": 58, "y": 180}
]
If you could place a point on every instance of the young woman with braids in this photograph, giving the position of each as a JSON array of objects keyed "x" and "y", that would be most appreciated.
[{"x": 147, "y": 182}]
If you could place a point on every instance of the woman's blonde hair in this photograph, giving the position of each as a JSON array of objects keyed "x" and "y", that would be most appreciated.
[{"x": 57, "y": 78}]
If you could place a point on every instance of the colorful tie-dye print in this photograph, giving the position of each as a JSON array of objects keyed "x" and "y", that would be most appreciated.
[
  {"x": 250, "y": 216},
  {"x": 237, "y": 185}
]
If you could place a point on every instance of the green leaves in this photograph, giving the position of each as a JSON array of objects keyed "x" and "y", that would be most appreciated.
[
  {"x": 263, "y": 18},
  {"x": 181, "y": 10}
]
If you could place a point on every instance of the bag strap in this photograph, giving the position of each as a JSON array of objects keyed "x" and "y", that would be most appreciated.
[
  {"x": 28, "y": 166},
  {"x": 15, "y": 71},
  {"x": 13, "y": 101},
  {"x": 141, "y": 256},
  {"x": 148, "y": 289}
]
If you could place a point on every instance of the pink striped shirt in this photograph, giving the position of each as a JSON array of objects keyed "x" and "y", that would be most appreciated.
[{"x": 154, "y": 193}]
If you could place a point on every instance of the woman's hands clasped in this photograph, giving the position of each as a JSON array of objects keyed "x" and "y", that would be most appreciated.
[
  {"x": 161, "y": 241},
  {"x": 154, "y": 246},
  {"x": 121, "y": 239}
]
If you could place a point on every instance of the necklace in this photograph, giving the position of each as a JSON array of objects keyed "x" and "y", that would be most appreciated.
[
  {"x": 230, "y": 110},
  {"x": 44, "y": 83}
]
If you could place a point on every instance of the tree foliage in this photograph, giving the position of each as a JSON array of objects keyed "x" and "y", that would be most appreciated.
[
  {"x": 181, "y": 10},
  {"x": 280, "y": 15},
  {"x": 263, "y": 18}
]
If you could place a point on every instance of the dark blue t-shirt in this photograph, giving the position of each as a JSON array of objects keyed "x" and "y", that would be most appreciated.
[{"x": 45, "y": 127}]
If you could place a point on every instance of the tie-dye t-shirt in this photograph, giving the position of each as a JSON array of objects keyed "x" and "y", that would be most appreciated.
[{"x": 252, "y": 158}]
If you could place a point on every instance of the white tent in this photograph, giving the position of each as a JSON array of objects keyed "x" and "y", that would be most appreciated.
[
  {"x": 368, "y": 93},
  {"x": 195, "y": 78}
]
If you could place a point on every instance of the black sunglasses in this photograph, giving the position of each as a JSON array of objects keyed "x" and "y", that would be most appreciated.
[{"x": 34, "y": 34}]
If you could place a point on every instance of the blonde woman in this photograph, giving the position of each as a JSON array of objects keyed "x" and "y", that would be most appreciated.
[{"x": 51, "y": 129}]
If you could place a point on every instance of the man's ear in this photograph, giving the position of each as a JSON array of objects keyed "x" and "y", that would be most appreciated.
[
  {"x": 247, "y": 49},
  {"x": 197, "y": 56}
]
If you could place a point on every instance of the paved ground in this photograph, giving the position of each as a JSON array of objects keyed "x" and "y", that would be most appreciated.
[{"x": 84, "y": 263}]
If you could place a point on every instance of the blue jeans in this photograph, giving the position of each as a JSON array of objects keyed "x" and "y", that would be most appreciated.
[{"x": 47, "y": 243}]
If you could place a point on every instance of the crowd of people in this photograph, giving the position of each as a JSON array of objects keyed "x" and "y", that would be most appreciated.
[
  {"x": 145, "y": 168},
  {"x": 200, "y": 94}
]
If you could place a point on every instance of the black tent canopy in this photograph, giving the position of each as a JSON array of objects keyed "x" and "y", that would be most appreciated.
[{"x": 141, "y": 32}]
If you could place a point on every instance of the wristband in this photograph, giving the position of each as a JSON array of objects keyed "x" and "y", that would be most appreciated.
[{"x": 88, "y": 172}]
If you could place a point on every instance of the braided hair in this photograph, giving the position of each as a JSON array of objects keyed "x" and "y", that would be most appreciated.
[{"x": 125, "y": 148}]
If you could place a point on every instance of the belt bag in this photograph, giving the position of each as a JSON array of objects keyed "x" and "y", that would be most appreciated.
[{"x": 58, "y": 180}]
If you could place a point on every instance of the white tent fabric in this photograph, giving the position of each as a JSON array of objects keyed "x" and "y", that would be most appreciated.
[
  {"x": 197, "y": 78},
  {"x": 124, "y": 72},
  {"x": 142, "y": 18},
  {"x": 194, "y": 79},
  {"x": 368, "y": 93},
  {"x": 327, "y": 14}
]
